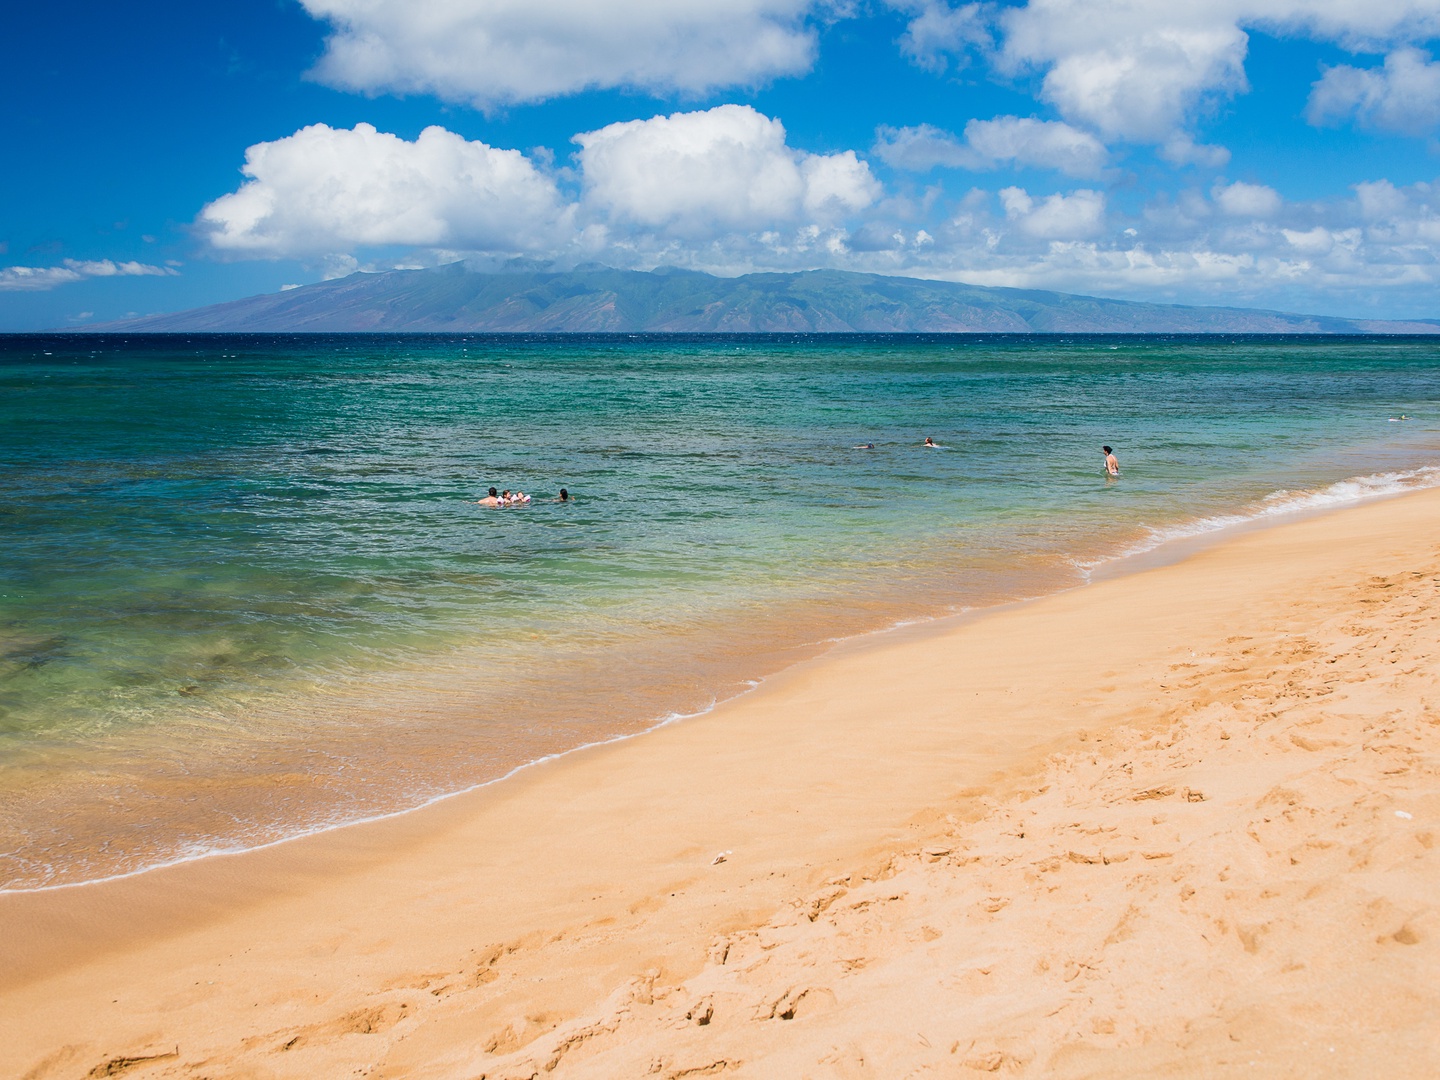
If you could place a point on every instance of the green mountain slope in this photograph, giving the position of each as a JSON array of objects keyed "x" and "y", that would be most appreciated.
[{"x": 454, "y": 299}]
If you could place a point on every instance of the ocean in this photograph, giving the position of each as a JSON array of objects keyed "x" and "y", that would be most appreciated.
[{"x": 246, "y": 593}]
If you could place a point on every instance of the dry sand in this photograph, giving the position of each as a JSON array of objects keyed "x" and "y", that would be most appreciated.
[{"x": 1178, "y": 823}]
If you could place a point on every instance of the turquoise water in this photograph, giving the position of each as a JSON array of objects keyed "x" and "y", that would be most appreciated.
[{"x": 243, "y": 593}]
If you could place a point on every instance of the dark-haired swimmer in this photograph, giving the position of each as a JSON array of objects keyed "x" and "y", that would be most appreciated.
[
  {"x": 490, "y": 500},
  {"x": 930, "y": 442},
  {"x": 1112, "y": 465},
  {"x": 564, "y": 496},
  {"x": 865, "y": 446}
]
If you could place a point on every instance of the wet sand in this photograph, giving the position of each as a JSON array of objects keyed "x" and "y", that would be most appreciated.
[{"x": 1181, "y": 822}]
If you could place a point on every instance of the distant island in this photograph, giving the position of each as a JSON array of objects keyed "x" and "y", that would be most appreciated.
[{"x": 454, "y": 299}]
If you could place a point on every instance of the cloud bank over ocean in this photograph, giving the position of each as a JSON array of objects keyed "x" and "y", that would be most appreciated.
[
  {"x": 722, "y": 190},
  {"x": 1277, "y": 153}
]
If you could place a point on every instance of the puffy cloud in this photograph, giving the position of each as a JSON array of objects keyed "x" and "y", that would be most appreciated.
[
  {"x": 1380, "y": 200},
  {"x": 1182, "y": 150},
  {"x": 325, "y": 189},
  {"x": 1246, "y": 200},
  {"x": 1041, "y": 143},
  {"x": 37, "y": 278},
  {"x": 937, "y": 32},
  {"x": 1404, "y": 95},
  {"x": 923, "y": 147},
  {"x": 836, "y": 184},
  {"x": 1401, "y": 218},
  {"x": 1022, "y": 141},
  {"x": 490, "y": 52},
  {"x": 1141, "y": 70},
  {"x": 1371, "y": 254},
  {"x": 1056, "y": 217},
  {"x": 1360, "y": 26},
  {"x": 723, "y": 190},
  {"x": 1316, "y": 241},
  {"x": 695, "y": 174},
  {"x": 1128, "y": 68},
  {"x": 326, "y": 193}
]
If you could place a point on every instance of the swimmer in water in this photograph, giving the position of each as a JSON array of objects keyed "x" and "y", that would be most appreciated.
[
  {"x": 865, "y": 446},
  {"x": 1112, "y": 465},
  {"x": 564, "y": 496},
  {"x": 490, "y": 500},
  {"x": 930, "y": 442}
]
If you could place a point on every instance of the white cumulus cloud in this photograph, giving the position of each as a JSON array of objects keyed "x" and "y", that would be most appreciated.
[
  {"x": 698, "y": 173},
  {"x": 1075, "y": 216},
  {"x": 1181, "y": 149},
  {"x": 1246, "y": 200},
  {"x": 1129, "y": 69},
  {"x": 496, "y": 52},
  {"x": 327, "y": 189},
  {"x": 1142, "y": 70},
  {"x": 1038, "y": 143},
  {"x": 36, "y": 278},
  {"x": 924, "y": 147},
  {"x": 989, "y": 144},
  {"x": 938, "y": 33},
  {"x": 1401, "y": 218},
  {"x": 1404, "y": 95},
  {"x": 1316, "y": 241}
]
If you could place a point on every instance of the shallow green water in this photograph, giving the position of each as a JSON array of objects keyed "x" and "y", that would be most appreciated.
[{"x": 243, "y": 594}]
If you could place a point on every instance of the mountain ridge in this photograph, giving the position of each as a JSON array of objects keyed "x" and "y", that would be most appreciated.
[{"x": 455, "y": 299}]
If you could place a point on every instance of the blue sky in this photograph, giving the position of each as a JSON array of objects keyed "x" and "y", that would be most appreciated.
[{"x": 1275, "y": 153}]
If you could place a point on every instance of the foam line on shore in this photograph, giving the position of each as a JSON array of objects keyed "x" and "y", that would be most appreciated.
[
  {"x": 1279, "y": 505},
  {"x": 389, "y": 815}
]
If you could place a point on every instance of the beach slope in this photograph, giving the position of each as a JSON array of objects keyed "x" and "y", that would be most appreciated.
[{"x": 1181, "y": 822}]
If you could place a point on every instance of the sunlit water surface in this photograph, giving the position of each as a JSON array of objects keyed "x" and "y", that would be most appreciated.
[{"x": 245, "y": 592}]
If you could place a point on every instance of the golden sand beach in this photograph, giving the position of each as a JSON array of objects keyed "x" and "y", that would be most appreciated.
[{"x": 1181, "y": 822}]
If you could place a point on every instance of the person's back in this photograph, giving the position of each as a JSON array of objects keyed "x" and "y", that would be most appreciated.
[
  {"x": 1112, "y": 464},
  {"x": 489, "y": 500}
]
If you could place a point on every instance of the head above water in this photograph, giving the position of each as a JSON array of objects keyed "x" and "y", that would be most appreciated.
[
  {"x": 493, "y": 493},
  {"x": 1106, "y": 450},
  {"x": 564, "y": 495}
]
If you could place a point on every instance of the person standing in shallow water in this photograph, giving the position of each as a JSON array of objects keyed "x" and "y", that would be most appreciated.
[{"x": 1112, "y": 465}]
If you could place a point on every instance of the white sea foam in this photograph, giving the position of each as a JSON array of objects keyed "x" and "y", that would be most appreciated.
[
  {"x": 1278, "y": 504},
  {"x": 197, "y": 852}
]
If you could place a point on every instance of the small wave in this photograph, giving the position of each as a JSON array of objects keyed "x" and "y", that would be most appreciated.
[
  {"x": 1280, "y": 503},
  {"x": 202, "y": 850}
]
